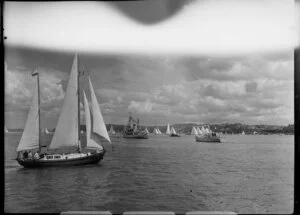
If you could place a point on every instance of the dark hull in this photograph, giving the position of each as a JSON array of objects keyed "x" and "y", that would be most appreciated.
[
  {"x": 208, "y": 139},
  {"x": 137, "y": 136},
  {"x": 174, "y": 135},
  {"x": 92, "y": 159}
]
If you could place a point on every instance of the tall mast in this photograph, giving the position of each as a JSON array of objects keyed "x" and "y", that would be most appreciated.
[
  {"x": 78, "y": 103},
  {"x": 39, "y": 110}
]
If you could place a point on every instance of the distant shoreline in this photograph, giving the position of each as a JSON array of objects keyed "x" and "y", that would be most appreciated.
[{"x": 234, "y": 128}]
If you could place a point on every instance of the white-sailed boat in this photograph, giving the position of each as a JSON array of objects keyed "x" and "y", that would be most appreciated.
[
  {"x": 67, "y": 132},
  {"x": 194, "y": 131},
  {"x": 173, "y": 133},
  {"x": 5, "y": 130},
  {"x": 168, "y": 131},
  {"x": 111, "y": 130}
]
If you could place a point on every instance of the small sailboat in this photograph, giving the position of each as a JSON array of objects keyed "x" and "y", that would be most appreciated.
[
  {"x": 111, "y": 130},
  {"x": 173, "y": 133},
  {"x": 67, "y": 133},
  {"x": 146, "y": 130},
  {"x": 156, "y": 131},
  {"x": 243, "y": 133},
  {"x": 194, "y": 131},
  {"x": 168, "y": 131},
  {"x": 5, "y": 129}
]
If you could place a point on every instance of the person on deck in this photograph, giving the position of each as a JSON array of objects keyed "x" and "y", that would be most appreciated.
[
  {"x": 25, "y": 155},
  {"x": 36, "y": 156},
  {"x": 30, "y": 155}
]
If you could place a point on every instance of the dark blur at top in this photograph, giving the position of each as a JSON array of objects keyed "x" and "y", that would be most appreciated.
[{"x": 150, "y": 12}]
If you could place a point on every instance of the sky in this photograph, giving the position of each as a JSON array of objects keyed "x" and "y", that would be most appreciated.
[{"x": 165, "y": 61}]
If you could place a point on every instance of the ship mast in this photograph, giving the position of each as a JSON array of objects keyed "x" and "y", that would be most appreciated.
[
  {"x": 78, "y": 103},
  {"x": 39, "y": 111}
]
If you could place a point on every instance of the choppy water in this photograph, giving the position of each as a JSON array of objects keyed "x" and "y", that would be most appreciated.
[{"x": 246, "y": 174}]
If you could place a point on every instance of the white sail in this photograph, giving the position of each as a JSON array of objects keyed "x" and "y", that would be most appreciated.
[
  {"x": 155, "y": 131},
  {"x": 173, "y": 130},
  {"x": 5, "y": 130},
  {"x": 243, "y": 132},
  {"x": 194, "y": 131},
  {"x": 46, "y": 131},
  {"x": 66, "y": 132},
  {"x": 158, "y": 131},
  {"x": 111, "y": 131},
  {"x": 168, "y": 129},
  {"x": 199, "y": 131},
  {"x": 98, "y": 126},
  {"x": 207, "y": 131},
  {"x": 90, "y": 143},
  {"x": 147, "y": 131},
  {"x": 203, "y": 130},
  {"x": 30, "y": 136}
]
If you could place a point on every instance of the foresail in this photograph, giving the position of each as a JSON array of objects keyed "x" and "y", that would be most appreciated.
[
  {"x": 66, "y": 132},
  {"x": 90, "y": 143},
  {"x": 30, "y": 136},
  {"x": 98, "y": 126}
]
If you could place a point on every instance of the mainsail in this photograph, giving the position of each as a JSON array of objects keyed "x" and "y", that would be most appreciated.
[
  {"x": 30, "y": 136},
  {"x": 98, "y": 126},
  {"x": 66, "y": 132},
  {"x": 5, "y": 130},
  {"x": 168, "y": 129}
]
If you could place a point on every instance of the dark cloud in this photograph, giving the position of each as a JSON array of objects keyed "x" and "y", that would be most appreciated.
[
  {"x": 250, "y": 87},
  {"x": 150, "y": 12}
]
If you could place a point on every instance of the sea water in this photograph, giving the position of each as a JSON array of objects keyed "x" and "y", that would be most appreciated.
[{"x": 244, "y": 174}]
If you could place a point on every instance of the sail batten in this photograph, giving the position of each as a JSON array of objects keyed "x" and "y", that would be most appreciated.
[
  {"x": 30, "y": 136},
  {"x": 98, "y": 126},
  {"x": 66, "y": 132}
]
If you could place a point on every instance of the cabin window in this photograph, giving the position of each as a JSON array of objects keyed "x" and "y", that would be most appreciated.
[
  {"x": 49, "y": 157},
  {"x": 57, "y": 156}
]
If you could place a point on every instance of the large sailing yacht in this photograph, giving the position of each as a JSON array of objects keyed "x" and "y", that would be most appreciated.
[{"x": 67, "y": 132}]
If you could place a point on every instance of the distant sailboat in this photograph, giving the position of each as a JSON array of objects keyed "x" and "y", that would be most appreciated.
[
  {"x": 243, "y": 133},
  {"x": 158, "y": 131},
  {"x": 5, "y": 130},
  {"x": 155, "y": 131},
  {"x": 168, "y": 131},
  {"x": 199, "y": 131},
  {"x": 173, "y": 133},
  {"x": 207, "y": 135},
  {"x": 146, "y": 130},
  {"x": 67, "y": 132},
  {"x": 194, "y": 131},
  {"x": 111, "y": 131}
]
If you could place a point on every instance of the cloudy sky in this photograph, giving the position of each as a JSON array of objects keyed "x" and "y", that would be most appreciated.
[{"x": 165, "y": 61}]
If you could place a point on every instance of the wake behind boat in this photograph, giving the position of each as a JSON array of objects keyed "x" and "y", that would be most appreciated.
[{"x": 67, "y": 132}]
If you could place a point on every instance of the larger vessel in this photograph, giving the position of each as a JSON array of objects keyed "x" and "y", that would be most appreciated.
[
  {"x": 206, "y": 135},
  {"x": 133, "y": 131},
  {"x": 65, "y": 148}
]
